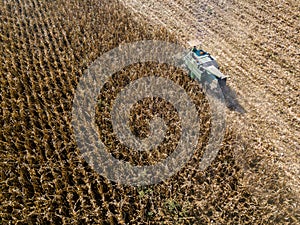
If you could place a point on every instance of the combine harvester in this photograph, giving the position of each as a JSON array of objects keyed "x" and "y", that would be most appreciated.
[{"x": 203, "y": 67}]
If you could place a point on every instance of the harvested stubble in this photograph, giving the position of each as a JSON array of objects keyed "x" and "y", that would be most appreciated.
[{"x": 45, "y": 47}]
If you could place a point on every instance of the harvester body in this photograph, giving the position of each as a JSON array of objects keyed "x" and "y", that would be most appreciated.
[{"x": 203, "y": 67}]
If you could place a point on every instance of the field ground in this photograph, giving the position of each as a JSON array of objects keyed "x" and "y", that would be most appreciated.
[{"x": 45, "y": 48}]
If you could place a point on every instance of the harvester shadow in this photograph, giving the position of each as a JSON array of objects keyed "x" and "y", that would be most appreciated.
[{"x": 231, "y": 100}]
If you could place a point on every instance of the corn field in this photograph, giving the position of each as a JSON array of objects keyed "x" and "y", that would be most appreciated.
[{"x": 46, "y": 47}]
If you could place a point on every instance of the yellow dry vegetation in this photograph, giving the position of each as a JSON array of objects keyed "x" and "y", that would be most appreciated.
[{"x": 46, "y": 47}]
